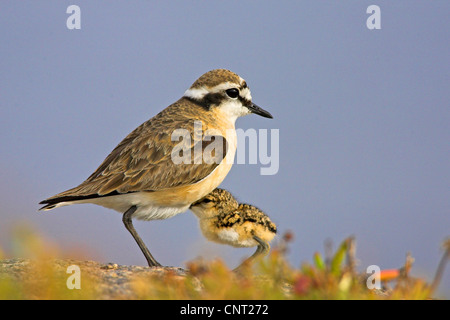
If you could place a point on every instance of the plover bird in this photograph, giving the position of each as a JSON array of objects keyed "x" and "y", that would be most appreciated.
[
  {"x": 223, "y": 220},
  {"x": 143, "y": 176}
]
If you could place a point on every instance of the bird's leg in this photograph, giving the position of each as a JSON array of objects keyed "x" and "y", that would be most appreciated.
[
  {"x": 129, "y": 225},
  {"x": 262, "y": 249}
]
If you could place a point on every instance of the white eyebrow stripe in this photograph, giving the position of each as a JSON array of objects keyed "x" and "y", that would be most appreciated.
[
  {"x": 200, "y": 93},
  {"x": 245, "y": 93},
  {"x": 195, "y": 93}
]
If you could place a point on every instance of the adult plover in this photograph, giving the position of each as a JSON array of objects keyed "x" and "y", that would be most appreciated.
[{"x": 145, "y": 178}]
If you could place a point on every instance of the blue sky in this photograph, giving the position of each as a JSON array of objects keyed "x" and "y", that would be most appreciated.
[{"x": 363, "y": 118}]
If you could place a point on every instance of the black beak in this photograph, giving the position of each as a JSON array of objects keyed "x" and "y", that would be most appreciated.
[{"x": 259, "y": 111}]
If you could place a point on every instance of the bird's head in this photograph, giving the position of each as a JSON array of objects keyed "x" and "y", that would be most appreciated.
[
  {"x": 227, "y": 91},
  {"x": 217, "y": 202}
]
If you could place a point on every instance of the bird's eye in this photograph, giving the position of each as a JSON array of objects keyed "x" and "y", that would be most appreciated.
[
  {"x": 206, "y": 200},
  {"x": 232, "y": 93}
]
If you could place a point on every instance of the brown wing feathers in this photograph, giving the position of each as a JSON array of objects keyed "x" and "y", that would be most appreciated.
[{"x": 142, "y": 161}]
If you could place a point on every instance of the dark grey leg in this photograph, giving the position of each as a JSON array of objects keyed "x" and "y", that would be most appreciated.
[
  {"x": 262, "y": 249},
  {"x": 129, "y": 225}
]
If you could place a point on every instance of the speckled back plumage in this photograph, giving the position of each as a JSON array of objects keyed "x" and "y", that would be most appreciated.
[{"x": 245, "y": 213}]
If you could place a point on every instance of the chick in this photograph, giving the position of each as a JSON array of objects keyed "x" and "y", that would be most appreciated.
[{"x": 223, "y": 220}]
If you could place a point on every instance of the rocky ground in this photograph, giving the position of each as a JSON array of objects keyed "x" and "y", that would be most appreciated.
[{"x": 112, "y": 281}]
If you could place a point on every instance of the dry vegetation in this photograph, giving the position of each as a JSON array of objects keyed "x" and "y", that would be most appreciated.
[{"x": 44, "y": 276}]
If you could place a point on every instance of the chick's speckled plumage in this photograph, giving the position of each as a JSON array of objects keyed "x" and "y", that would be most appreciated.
[{"x": 224, "y": 220}]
